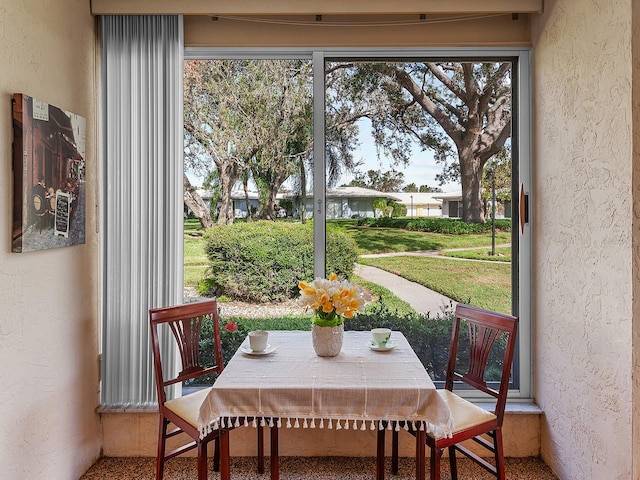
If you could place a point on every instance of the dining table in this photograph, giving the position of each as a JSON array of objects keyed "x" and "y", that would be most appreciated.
[{"x": 364, "y": 387}]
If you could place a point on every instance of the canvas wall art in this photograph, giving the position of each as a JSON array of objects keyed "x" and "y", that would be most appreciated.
[{"x": 48, "y": 176}]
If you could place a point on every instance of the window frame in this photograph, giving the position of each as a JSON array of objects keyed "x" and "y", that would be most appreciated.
[{"x": 521, "y": 236}]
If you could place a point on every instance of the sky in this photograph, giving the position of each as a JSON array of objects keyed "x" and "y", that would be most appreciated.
[{"x": 422, "y": 169}]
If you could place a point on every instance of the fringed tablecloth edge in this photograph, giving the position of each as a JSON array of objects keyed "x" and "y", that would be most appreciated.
[{"x": 230, "y": 422}]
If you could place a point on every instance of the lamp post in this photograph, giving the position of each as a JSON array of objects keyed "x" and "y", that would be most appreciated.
[{"x": 411, "y": 206}]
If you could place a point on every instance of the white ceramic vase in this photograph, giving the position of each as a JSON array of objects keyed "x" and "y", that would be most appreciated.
[{"x": 327, "y": 341}]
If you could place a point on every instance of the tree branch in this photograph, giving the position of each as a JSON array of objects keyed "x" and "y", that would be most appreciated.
[
  {"x": 446, "y": 81},
  {"x": 453, "y": 129}
]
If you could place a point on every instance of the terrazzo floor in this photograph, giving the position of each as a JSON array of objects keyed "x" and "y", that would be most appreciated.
[{"x": 305, "y": 468}]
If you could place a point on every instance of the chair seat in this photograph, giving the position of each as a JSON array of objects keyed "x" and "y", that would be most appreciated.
[
  {"x": 188, "y": 407},
  {"x": 464, "y": 413}
]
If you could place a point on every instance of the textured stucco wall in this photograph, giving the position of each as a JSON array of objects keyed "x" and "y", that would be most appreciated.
[
  {"x": 583, "y": 243},
  {"x": 48, "y": 314},
  {"x": 635, "y": 48}
]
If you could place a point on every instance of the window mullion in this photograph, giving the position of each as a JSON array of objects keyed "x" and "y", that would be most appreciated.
[{"x": 319, "y": 166}]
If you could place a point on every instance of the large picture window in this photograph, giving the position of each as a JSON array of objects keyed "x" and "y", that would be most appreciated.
[{"x": 406, "y": 136}]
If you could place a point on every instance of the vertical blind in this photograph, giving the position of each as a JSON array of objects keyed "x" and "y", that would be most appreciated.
[{"x": 142, "y": 196}]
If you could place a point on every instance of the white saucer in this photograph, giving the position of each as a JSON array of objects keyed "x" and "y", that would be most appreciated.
[
  {"x": 389, "y": 346},
  {"x": 266, "y": 351}
]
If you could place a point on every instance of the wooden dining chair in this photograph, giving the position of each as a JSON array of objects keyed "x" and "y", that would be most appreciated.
[
  {"x": 185, "y": 323},
  {"x": 470, "y": 421}
]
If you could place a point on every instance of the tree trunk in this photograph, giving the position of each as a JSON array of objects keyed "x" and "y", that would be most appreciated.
[
  {"x": 196, "y": 204},
  {"x": 267, "y": 211},
  {"x": 227, "y": 178},
  {"x": 471, "y": 178},
  {"x": 476, "y": 142}
]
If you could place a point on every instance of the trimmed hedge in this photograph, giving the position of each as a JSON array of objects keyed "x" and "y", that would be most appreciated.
[
  {"x": 263, "y": 261},
  {"x": 451, "y": 226}
]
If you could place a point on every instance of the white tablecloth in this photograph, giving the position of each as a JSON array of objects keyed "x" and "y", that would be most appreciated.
[{"x": 358, "y": 389}]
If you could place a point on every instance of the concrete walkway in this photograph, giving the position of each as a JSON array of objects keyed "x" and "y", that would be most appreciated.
[{"x": 421, "y": 299}]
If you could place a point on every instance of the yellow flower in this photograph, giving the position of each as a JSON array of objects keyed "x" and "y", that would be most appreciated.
[
  {"x": 332, "y": 299},
  {"x": 306, "y": 288}
]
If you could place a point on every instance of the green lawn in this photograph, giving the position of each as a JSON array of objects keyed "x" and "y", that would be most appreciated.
[
  {"x": 502, "y": 254},
  {"x": 393, "y": 303},
  {"x": 383, "y": 240},
  {"x": 483, "y": 284},
  {"x": 195, "y": 260}
]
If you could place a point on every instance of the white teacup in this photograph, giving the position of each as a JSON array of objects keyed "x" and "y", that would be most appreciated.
[
  {"x": 381, "y": 336},
  {"x": 258, "y": 340}
]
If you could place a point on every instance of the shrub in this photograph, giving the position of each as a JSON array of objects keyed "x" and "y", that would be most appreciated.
[
  {"x": 264, "y": 261},
  {"x": 451, "y": 226}
]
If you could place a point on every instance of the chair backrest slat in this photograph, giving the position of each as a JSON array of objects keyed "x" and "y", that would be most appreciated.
[
  {"x": 484, "y": 328},
  {"x": 185, "y": 323}
]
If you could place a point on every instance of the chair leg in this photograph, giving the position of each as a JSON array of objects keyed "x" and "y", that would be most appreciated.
[
  {"x": 421, "y": 455},
  {"x": 216, "y": 455},
  {"x": 162, "y": 438},
  {"x": 500, "y": 469},
  {"x": 202, "y": 461},
  {"x": 453, "y": 463},
  {"x": 394, "y": 451},
  {"x": 436, "y": 456},
  {"x": 225, "y": 473},
  {"x": 275, "y": 454},
  {"x": 380, "y": 454},
  {"x": 260, "y": 448}
]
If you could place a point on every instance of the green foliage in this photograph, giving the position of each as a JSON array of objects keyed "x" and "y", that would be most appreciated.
[
  {"x": 389, "y": 181},
  {"x": 287, "y": 204},
  {"x": 264, "y": 261},
  {"x": 397, "y": 209},
  {"x": 451, "y": 226},
  {"x": 380, "y": 205},
  {"x": 288, "y": 322}
]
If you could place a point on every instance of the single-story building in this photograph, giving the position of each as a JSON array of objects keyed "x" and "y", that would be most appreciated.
[
  {"x": 354, "y": 202},
  {"x": 421, "y": 204},
  {"x": 342, "y": 202},
  {"x": 452, "y": 205},
  {"x": 348, "y": 202}
]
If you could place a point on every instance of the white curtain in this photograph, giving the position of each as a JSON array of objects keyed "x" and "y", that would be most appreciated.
[{"x": 142, "y": 206}]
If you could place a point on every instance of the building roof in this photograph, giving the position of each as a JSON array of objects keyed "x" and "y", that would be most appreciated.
[
  {"x": 419, "y": 198},
  {"x": 457, "y": 195},
  {"x": 339, "y": 192},
  {"x": 352, "y": 192}
]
